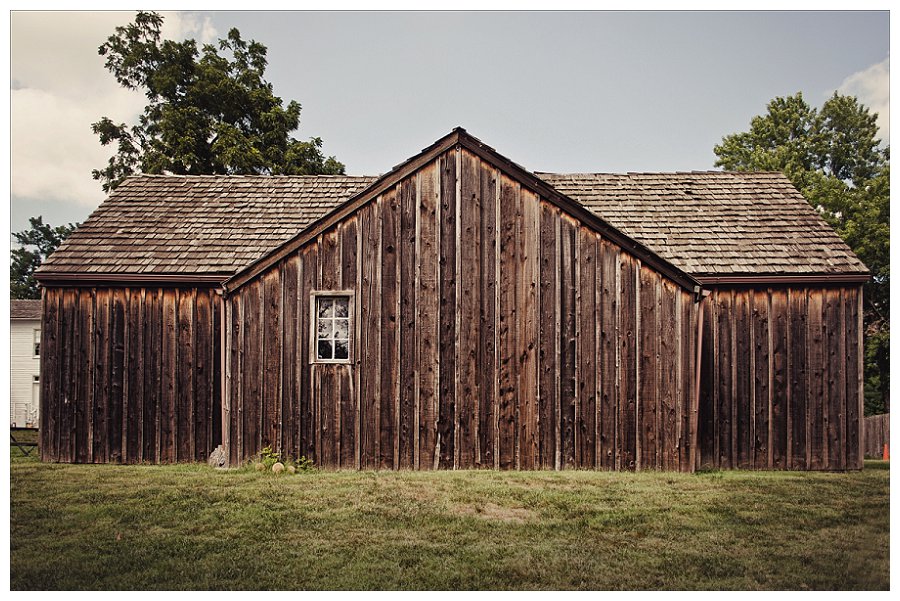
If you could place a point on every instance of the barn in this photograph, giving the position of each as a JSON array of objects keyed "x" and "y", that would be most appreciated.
[{"x": 457, "y": 312}]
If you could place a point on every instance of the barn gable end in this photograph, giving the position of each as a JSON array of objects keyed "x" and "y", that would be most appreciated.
[{"x": 494, "y": 326}]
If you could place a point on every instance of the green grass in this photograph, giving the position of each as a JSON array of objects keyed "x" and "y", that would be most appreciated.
[{"x": 191, "y": 527}]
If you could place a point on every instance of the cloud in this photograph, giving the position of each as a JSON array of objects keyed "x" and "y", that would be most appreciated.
[
  {"x": 872, "y": 86},
  {"x": 59, "y": 87}
]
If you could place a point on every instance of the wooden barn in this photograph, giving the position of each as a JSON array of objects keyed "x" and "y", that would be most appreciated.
[{"x": 457, "y": 312}]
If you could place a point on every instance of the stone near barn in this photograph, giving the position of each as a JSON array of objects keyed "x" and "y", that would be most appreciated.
[{"x": 218, "y": 458}]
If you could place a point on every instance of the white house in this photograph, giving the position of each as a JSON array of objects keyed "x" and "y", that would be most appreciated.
[{"x": 24, "y": 362}]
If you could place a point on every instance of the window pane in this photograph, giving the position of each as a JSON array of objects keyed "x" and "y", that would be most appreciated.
[
  {"x": 324, "y": 350},
  {"x": 342, "y": 328},
  {"x": 341, "y": 306},
  {"x": 340, "y": 349},
  {"x": 326, "y": 307},
  {"x": 324, "y": 330}
]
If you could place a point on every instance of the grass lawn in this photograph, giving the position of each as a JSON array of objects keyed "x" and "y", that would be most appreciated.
[{"x": 192, "y": 527}]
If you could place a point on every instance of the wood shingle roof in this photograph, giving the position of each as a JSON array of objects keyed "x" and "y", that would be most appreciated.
[
  {"x": 24, "y": 309},
  {"x": 715, "y": 223},
  {"x": 705, "y": 223},
  {"x": 155, "y": 224}
]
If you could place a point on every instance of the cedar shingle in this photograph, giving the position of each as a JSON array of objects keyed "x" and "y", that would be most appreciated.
[
  {"x": 715, "y": 223},
  {"x": 706, "y": 223},
  {"x": 24, "y": 309},
  {"x": 197, "y": 224}
]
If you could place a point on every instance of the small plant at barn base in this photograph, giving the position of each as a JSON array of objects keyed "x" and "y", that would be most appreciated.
[{"x": 271, "y": 461}]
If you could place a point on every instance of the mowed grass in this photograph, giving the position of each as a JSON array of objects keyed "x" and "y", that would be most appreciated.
[{"x": 192, "y": 527}]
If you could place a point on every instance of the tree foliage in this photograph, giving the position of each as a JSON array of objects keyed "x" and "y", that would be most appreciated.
[
  {"x": 35, "y": 245},
  {"x": 834, "y": 157},
  {"x": 207, "y": 113}
]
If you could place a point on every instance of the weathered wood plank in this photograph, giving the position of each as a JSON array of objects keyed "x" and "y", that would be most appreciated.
[
  {"x": 798, "y": 348},
  {"x": 390, "y": 332},
  {"x": 743, "y": 401},
  {"x": 852, "y": 377},
  {"x": 168, "y": 369},
  {"x": 708, "y": 433},
  {"x": 427, "y": 309},
  {"x": 349, "y": 435},
  {"x": 116, "y": 401},
  {"x": 468, "y": 253},
  {"x": 406, "y": 432},
  {"x": 309, "y": 268},
  {"x": 369, "y": 360},
  {"x": 152, "y": 374},
  {"x": 816, "y": 371},
  {"x": 184, "y": 384},
  {"x": 587, "y": 351},
  {"x": 270, "y": 283},
  {"x": 448, "y": 309},
  {"x": 236, "y": 369},
  {"x": 51, "y": 397},
  {"x": 608, "y": 354},
  {"x": 292, "y": 338},
  {"x": 70, "y": 358},
  {"x": 836, "y": 359},
  {"x": 726, "y": 399},
  {"x": 99, "y": 399},
  {"x": 567, "y": 385},
  {"x": 78, "y": 411},
  {"x": 204, "y": 337},
  {"x": 527, "y": 317},
  {"x": 687, "y": 422},
  {"x": 218, "y": 359},
  {"x": 628, "y": 349},
  {"x": 648, "y": 389},
  {"x": 252, "y": 371},
  {"x": 135, "y": 361},
  {"x": 549, "y": 336},
  {"x": 669, "y": 353},
  {"x": 488, "y": 347},
  {"x": 781, "y": 428},
  {"x": 507, "y": 425},
  {"x": 762, "y": 360}
]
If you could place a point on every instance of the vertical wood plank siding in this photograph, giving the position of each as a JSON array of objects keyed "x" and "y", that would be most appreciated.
[
  {"x": 130, "y": 375},
  {"x": 779, "y": 378},
  {"x": 492, "y": 330}
]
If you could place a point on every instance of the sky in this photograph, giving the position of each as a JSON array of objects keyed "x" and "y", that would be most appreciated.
[{"x": 552, "y": 91}]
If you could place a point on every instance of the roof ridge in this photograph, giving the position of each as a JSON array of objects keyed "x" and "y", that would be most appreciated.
[
  {"x": 242, "y": 175},
  {"x": 658, "y": 173}
]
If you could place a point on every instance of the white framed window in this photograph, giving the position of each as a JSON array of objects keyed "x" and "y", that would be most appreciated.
[
  {"x": 36, "y": 345},
  {"x": 332, "y": 326},
  {"x": 35, "y": 400}
]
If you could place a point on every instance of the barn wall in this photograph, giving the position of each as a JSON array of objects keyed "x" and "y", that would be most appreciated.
[
  {"x": 493, "y": 330},
  {"x": 130, "y": 375},
  {"x": 781, "y": 378}
]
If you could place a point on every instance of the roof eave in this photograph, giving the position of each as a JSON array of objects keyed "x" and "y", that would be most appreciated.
[
  {"x": 87, "y": 279},
  {"x": 856, "y": 278}
]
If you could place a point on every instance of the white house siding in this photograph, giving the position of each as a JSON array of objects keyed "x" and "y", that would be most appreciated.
[{"x": 24, "y": 367}]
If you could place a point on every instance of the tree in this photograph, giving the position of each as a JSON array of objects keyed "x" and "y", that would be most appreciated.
[
  {"x": 35, "y": 245},
  {"x": 207, "y": 113},
  {"x": 832, "y": 155}
]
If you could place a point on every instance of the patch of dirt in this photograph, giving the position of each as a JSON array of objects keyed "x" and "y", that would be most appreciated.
[{"x": 490, "y": 511}]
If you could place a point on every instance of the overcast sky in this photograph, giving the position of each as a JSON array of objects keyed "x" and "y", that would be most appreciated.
[{"x": 601, "y": 91}]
